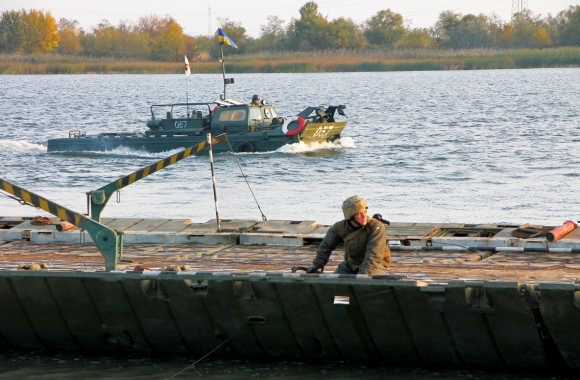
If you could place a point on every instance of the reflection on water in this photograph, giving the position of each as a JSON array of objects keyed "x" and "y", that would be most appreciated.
[{"x": 140, "y": 367}]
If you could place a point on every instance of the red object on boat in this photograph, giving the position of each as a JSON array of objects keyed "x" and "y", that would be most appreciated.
[
  {"x": 559, "y": 232},
  {"x": 63, "y": 226}
]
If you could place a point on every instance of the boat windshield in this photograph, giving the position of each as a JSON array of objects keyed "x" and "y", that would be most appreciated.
[
  {"x": 232, "y": 115},
  {"x": 270, "y": 112},
  {"x": 255, "y": 113}
]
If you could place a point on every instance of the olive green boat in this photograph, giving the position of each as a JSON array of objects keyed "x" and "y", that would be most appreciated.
[
  {"x": 255, "y": 127},
  {"x": 249, "y": 128}
]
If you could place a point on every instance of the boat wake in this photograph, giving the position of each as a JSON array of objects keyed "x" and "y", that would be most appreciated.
[
  {"x": 20, "y": 146},
  {"x": 122, "y": 152},
  {"x": 128, "y": 152},
  {"x": 297, "y": 148}
]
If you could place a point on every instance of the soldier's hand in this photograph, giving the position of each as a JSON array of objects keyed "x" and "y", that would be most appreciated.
[
  {"x": 313, "y": 269},
  {"x": 380, "y": 218}
]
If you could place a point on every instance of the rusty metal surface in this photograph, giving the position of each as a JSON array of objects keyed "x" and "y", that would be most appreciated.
[{"x": 438, "y": 266}]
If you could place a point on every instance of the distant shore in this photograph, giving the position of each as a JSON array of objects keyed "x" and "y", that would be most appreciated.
[{"x": 306, "y": 62}]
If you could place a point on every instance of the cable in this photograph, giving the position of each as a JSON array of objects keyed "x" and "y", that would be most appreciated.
[
  {"x": 21, "y": 201},
  {"x": 209, "y": 353},
  {"x": 246, "y": 179}
]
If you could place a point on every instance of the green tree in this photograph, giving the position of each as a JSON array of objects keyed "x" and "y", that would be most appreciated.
[
  {"x": 236, "y": 32},
  {"x": 530, "y": 31},
  {"x": 569, "y": 30},
  {"x": 445, "y": 26},
  {"x": 272, "y": 34},
  {"x": 345, "y": 34},
  {"x": 11, "y": 31},
  {"x": 386, "y": 28},
  {"x": 204, "y": 46},
  {"x": 311, "y": 30},
  {"x": 418, "y": 38},
  {"x": 471, "y": 32}
]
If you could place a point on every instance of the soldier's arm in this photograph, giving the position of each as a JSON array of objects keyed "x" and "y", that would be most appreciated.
[{"x": 328, "y": 244}]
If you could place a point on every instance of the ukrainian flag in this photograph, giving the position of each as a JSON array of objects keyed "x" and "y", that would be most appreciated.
[{"x": 224, "y": 39}]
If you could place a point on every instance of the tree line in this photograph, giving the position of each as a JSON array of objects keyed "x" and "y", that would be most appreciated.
[{"x": 162, "y": 38}]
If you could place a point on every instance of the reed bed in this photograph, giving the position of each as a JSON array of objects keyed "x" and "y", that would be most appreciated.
[{"x": 302, "y": 62}]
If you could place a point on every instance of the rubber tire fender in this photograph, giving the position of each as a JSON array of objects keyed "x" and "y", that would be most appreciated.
[{"x": 246, "y": 147}]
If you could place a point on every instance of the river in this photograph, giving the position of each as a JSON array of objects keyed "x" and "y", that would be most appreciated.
[{"x": 454, "y": 146}]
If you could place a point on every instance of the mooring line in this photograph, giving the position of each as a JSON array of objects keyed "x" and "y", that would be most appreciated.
[
  {"x": 246, "y": 179},
  {"x": 209, "y": 353}
]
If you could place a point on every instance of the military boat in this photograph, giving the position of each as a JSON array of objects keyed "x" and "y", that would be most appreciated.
[
  {"x": 255, "y": 127},
  {"x": 249, "y": 128}
]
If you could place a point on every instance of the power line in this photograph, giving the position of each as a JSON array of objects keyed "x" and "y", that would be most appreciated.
[{"x": 519, "y": 6}]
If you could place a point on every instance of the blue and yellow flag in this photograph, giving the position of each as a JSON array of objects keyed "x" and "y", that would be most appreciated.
[{"x": 224, "y": 39}]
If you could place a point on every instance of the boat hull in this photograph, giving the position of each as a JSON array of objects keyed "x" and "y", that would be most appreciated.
[
  {"x": 263, "y": 141},
  {"x": 397, "y": 322},
  {"x": 483, "y": 300}
]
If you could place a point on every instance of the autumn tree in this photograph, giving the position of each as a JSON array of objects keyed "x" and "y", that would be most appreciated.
[
  {"x": 506, "y": 36},
  {"x": 190, "y": 46},
  {"x": 530, "y": 31},
  {"x": 40, "y": 32},
  {"x": 27, "y": 32},
  {"x": 69, "y": 33},
  {"x": 169, "y": 45}
]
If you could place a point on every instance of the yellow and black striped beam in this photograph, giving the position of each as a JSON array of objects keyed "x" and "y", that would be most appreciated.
[
  {"x": 106, "y": 240},
  {"x": 148, "y": 170},
  {"x": 62, "y": 212}
]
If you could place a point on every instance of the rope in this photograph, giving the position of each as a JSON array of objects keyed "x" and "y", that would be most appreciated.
[
  {"x": 21, "y": 201},
  {"x": 246, "y": 179},
  {"x": 209, "y": 353}
]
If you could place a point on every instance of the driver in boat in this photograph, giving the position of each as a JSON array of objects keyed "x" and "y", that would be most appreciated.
[
  {"x": 365, "y": 242},
  {"x": 255, "y": 100}
]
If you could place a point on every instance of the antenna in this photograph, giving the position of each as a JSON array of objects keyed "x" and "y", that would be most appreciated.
[
  {"x": 209, "y": 28},
  {"x": 519, "y": 6}
]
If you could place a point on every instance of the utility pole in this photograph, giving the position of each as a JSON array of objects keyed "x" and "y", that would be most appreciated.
[{"x": 519, "y": 6}]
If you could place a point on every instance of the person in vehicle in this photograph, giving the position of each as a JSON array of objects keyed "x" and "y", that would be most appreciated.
[
  {"x": 255, "y": 100},
  {"x": 365, "y": 242}
]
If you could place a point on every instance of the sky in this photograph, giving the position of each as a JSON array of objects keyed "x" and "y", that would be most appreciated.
[{"x": 194, "y": 16}]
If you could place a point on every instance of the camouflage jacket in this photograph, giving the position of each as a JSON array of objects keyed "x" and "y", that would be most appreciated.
[{"x": 366, "y": 250}]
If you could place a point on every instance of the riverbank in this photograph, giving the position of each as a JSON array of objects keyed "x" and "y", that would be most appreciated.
[{"x": 303, "y": 62}]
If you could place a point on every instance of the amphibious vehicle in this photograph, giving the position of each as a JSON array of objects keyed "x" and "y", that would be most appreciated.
[{"x": 249, "y": 127}]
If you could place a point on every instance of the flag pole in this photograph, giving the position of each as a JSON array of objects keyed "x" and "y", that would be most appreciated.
[
  {"x": 187, "y": 73},
  {"x": 223, "y": 69}
]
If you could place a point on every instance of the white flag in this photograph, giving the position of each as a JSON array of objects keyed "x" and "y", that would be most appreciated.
[{"x": 187, "y": 69}]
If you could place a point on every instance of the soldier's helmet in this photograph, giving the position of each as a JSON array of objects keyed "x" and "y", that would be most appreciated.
[
  {"x": 352, "y": 205},
  {"x": 255, "y": 97}
]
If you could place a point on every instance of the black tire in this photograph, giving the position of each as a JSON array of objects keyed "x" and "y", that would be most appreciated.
[{"x": 246, "y": 147}]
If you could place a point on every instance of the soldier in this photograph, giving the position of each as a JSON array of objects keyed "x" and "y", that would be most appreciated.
[
  {"x": 255, "y": 100},
  {"x": 365, "y": 242}
]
